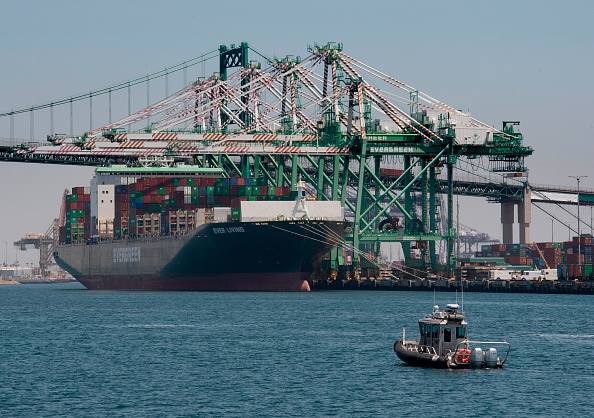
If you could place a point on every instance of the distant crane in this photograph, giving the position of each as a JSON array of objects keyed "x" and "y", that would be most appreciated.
[
  {"x": 44, "y": 243},
  {"x": 469, "y": 236}
]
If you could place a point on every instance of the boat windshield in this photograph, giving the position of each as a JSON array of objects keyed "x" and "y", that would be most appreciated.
[
  {"x": 428, "y": 332},
  {"x": 447, "y": 335},
  {"x": 460, "y": 333}
]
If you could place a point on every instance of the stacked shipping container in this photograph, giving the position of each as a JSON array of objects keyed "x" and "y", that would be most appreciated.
[
  {"x": 560, "y": 255},
  {"x": 157, "y": 205},
  {"x": 77, "y": 224}
]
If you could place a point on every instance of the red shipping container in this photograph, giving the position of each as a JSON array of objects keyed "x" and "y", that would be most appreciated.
[
  {"x": 236, "y": 202},
  {"x": 517, "y": 260},
  {"x": 551, "y": 251},
  {"x": 241, "y": 181},
  {"x": 233, "y": 190},
  {"x": 392, "y": 172},
  {"x": 574, "y": 258}
]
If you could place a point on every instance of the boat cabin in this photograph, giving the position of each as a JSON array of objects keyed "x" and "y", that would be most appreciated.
[{"x": 442, "y": 331}]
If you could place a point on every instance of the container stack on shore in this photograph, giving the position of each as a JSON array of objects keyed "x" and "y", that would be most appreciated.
[
  {"x": 161, "y": 205},
  {"x": 562, "y": 256}
]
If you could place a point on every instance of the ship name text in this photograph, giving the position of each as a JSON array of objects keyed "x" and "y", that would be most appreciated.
[
  {"x": 228, "y": 230},
  {"x": 126, "y": 255}
]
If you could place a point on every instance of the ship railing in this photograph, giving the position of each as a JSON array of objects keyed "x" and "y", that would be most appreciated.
[{"x": 424, "y": 349}]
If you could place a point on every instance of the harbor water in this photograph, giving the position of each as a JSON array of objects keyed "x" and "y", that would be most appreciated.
[{"x": 67, "y": 351}]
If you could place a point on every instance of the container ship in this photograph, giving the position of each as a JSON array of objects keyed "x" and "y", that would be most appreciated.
[{"x": 189, "y": 228}]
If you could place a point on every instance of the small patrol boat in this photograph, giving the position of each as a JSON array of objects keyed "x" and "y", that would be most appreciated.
[{"x": 443, "y": 343}]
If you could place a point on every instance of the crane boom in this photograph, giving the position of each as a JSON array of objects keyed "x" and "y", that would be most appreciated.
[{"x": 541, "y": 255}]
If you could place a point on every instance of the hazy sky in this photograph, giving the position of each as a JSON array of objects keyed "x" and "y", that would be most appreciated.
[{"x": 530, "y": 61}]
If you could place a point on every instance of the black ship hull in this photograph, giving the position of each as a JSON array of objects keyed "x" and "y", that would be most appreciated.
[{"x": 273, "y": 256}]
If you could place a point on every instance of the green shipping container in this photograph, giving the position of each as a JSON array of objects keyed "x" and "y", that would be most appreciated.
[
  {"x": 210, "y": 190},
  {"x": 235, "y": 213},
  {"x": 175, "y": 182},
  {"x": 161, "y": 190},
  {"x": 195, "y": 200},
  {"x": 195, "y": 190},
  {"x": 189, "y": 182},
  {"x": 132, "y": 221},
  {"x": 271, "y": 191},
  {"x": 244, "y": 190},
  {"x": 222, "y": 190},
  {"x": 74, "y": 198}
]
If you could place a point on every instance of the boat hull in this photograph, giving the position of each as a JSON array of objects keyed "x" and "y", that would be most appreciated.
[
  {"x": 275, "y": 256},
  {"x": 415, "y": 358}
]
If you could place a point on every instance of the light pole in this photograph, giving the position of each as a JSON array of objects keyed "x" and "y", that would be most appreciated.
[{"x": 578, "y": 178}]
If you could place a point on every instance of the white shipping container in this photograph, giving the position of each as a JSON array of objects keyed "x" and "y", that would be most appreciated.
[
  {"x": 472, "y": 136},
  {"x": 256, "y": 211}
]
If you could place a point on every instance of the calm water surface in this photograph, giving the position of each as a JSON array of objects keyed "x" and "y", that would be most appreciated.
[{"x": 66, "y": 351}]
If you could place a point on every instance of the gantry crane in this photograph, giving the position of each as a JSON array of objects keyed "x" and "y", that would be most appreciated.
[
  {"x": 44, "y": 243},
  {"x": 321, "y": 122}
]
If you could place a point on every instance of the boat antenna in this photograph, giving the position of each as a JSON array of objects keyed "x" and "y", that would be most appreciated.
[{"x": 462, "y": 291}]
